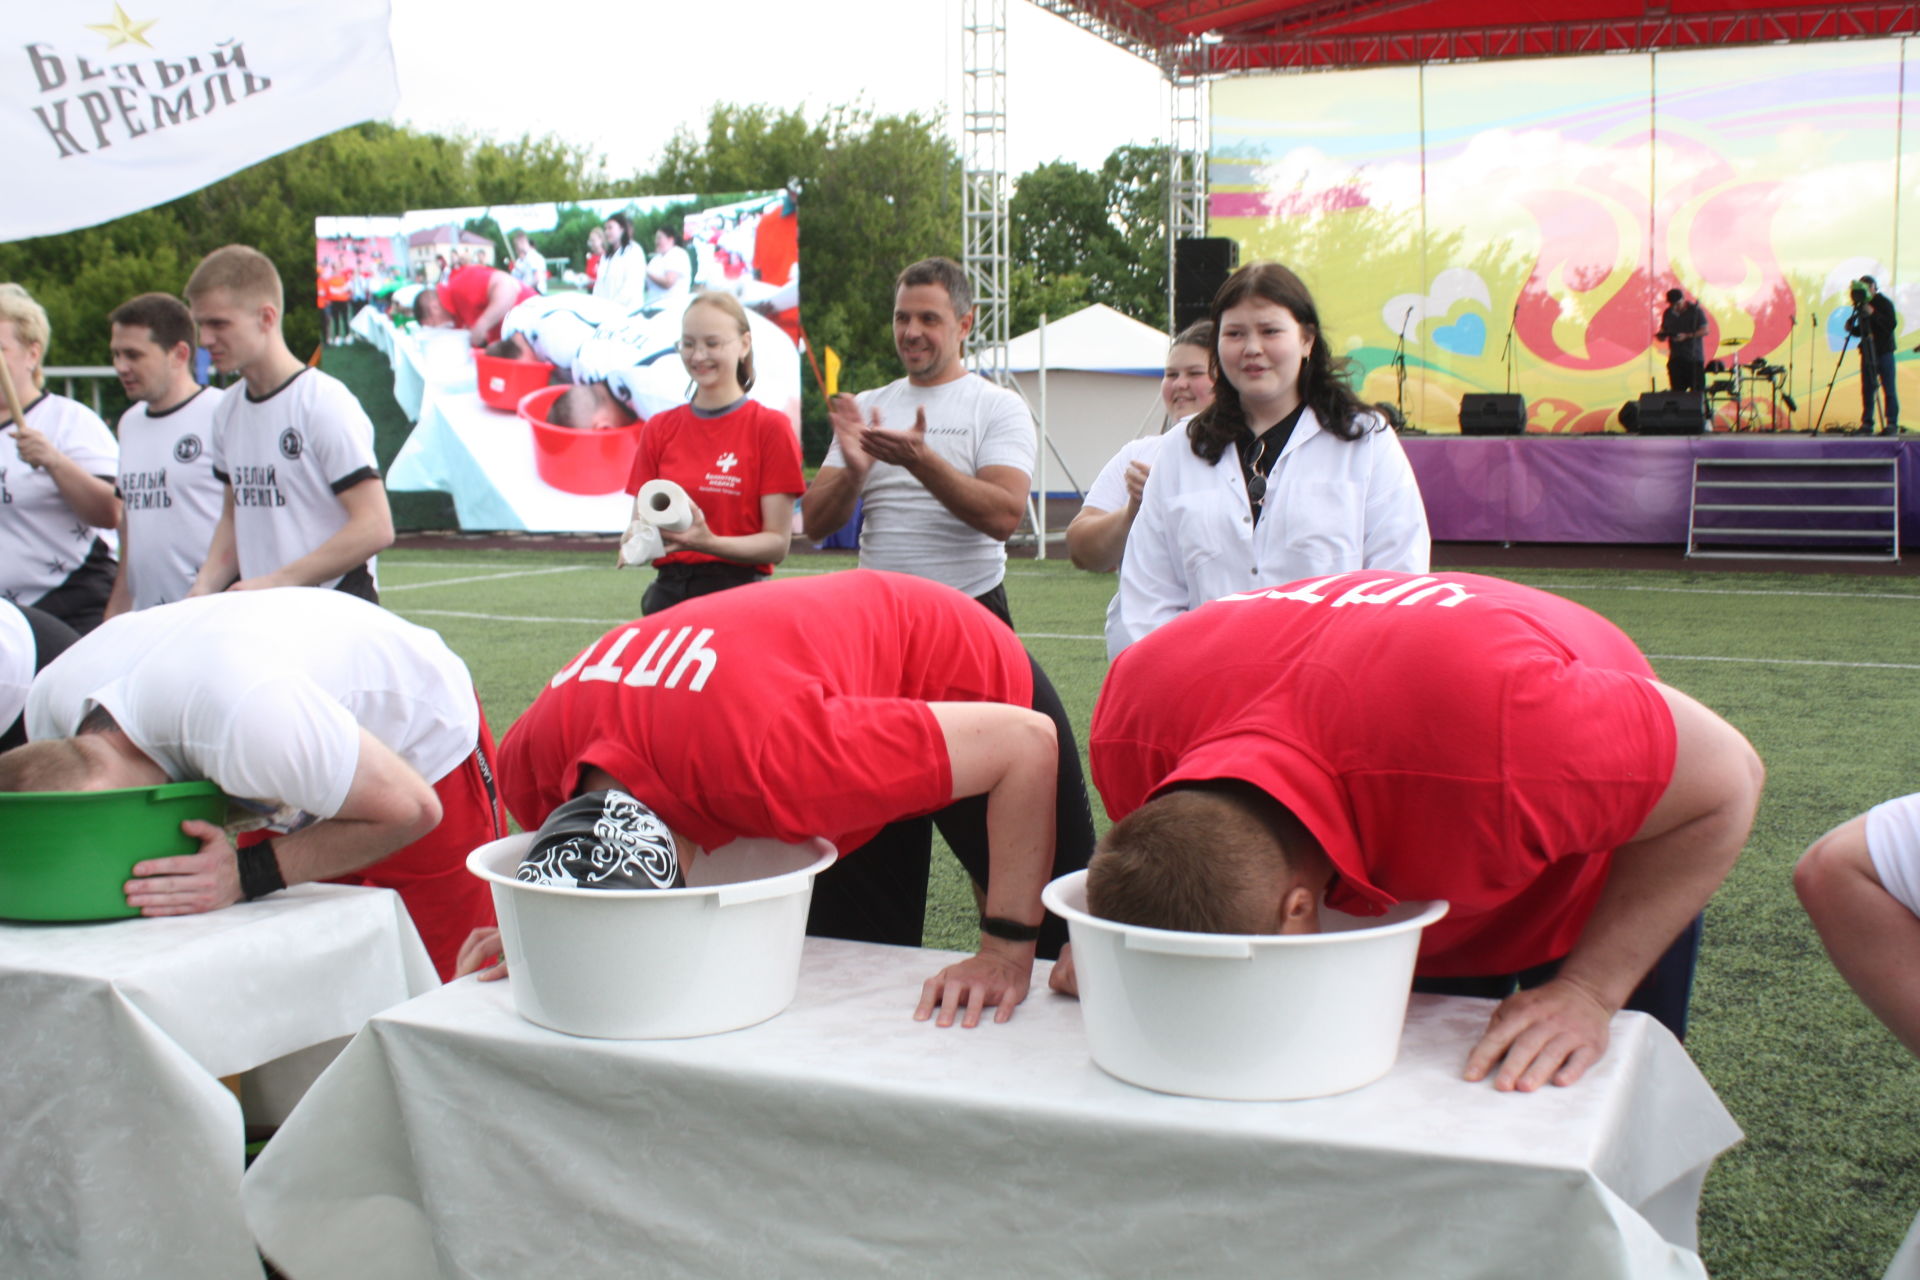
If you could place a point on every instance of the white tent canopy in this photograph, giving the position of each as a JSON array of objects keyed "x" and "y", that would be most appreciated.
[{"x": 1103, "y": 389}]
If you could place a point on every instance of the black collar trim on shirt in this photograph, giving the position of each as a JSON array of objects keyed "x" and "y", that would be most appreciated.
[
  {"x": 35, "y": 403},
  {"x": 253, "y": 399},
  {"x": 162, "y": 413}
]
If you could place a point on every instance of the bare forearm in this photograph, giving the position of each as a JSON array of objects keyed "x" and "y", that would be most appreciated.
[
  {"x": 222, "y": 565},
  {"x": 340, "y": 846},
  {"x": 980, "y": 504},
  {"x": 1096, "y": 539},
  {"x": 750, "y": 548},
  {"x": 368, "y": 531},
  {"x": 828, "y": 503},
  {"x": 90, "y": 497},
  {"x": 1653, "y": 889},
  {"x": 1020, "y": 829},
  {"x": 120, "y": 599}
]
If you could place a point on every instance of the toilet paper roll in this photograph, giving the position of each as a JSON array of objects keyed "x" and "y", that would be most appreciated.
[{"x": 665, "y": 505}]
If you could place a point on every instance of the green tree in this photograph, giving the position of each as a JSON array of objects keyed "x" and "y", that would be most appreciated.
[
  {"x": 1080, "y": 237},
  {"x": 876, "y": 192}
]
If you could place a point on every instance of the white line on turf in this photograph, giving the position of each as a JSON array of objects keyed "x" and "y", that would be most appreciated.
[
  {"x": 483, "y": 577},
  {"x": 510, "y": 617},
  {"x": 1783, "y": 662},
  {"x": 1721, "y": 591}
]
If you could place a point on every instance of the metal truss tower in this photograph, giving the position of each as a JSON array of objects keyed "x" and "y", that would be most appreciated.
[
  {"x": 1187, "y": 147},
  {"x": 984, "y": 183}
]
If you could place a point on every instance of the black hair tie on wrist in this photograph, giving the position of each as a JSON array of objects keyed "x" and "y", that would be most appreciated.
[
  {"x": 259, "y": 870},
  {"x": 1009, "y": 930}
]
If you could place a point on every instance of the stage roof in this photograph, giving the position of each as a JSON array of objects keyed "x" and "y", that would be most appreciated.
[{"x": 1217, "y": 37}]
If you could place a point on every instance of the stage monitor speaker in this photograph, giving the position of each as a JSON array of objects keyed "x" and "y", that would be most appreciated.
[
  {"x": 1200, "y": 266},
  {"x": 1493, "y": 415},
  {"x": 1670, "y": 413}
]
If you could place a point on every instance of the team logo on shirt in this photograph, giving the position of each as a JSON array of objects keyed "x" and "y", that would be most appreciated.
[
  {"x": 291, "y": 444},
  {"x": 186, "y": 448},
  {"x": 727, "y": 461}
]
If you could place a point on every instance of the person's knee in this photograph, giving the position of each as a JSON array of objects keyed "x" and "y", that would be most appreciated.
[{"x": 1837, "y": 861}]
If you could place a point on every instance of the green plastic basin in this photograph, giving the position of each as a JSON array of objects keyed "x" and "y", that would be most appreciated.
[{"x": 67, "y": 855}]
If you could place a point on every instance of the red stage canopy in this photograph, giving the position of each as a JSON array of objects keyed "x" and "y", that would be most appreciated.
[{"x": 1211, "y": 37}]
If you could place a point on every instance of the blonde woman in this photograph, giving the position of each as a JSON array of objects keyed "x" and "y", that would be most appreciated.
[
  {"x": 738, "y": 460},
  {"x": 58, "y": 508}
]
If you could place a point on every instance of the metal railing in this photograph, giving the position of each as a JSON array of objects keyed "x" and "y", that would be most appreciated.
[{"x": 70, "y": 376}]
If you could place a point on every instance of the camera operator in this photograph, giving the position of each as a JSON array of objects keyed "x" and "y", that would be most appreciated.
[
  {"x": 1682, "y": 325},
  {"x": 1874, "y": 323}
]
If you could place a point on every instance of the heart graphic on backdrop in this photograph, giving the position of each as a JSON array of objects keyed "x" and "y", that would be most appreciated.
[{"x": 1466, "y": 336}]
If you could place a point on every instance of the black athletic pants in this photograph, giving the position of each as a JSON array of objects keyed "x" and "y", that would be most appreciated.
[{"x": 50, "y": 639}]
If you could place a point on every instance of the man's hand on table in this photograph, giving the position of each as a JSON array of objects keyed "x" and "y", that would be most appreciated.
[
  {"x": 996, "y": 978},
  {"x": 1553, "y": 1032},
  {"x": 191, "y": 883},
  {"x": 478, "y": 954}
]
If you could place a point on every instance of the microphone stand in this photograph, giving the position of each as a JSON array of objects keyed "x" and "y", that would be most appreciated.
[
  {"x": 1400, "y": 366},
  {"x": 1506, "y": 349}
]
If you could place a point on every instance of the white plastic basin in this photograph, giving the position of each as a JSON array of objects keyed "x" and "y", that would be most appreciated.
[
  {"x": 660, "y": 964},
  {"x": 1244, "y": 1016}
]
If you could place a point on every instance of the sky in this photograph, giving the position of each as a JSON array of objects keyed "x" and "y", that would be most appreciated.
[{"x": 890, "y": 55}]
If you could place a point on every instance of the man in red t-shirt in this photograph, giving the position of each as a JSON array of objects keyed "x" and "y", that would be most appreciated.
[
  {"x": 1380, "y": 737},
  {"x": 476, "y": 299},
  {"x": 830, "y": 707}
]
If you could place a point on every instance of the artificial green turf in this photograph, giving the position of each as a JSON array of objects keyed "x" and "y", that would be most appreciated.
[{"x": 1829, "y": 1177}]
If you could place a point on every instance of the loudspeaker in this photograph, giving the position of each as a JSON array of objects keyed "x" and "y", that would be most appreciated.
[
  {"x": 1670, "y": 413},
  {"x": 1200, "y": 266},
  {"x": 1503, "y": 414}
]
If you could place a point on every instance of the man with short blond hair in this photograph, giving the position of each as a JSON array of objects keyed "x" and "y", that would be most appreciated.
[
  {"x": 170, "y": 497},
  {"x": 304, "y": 504}
]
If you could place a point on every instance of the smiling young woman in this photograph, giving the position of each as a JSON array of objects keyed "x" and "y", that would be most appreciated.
[
  {"x": 738, "y": 460},
  {"x": 1285, "y": 475}
]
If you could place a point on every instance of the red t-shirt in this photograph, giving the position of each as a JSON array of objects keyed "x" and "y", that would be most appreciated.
[
  {"x": 464, "y": 294},
  {"x": 1443, "y": 736},
  {"x": 726, "y": 465},
  {"x": 791, "y": 709}
]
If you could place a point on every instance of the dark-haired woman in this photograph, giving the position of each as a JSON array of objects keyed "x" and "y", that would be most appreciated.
[{"x": 1286, "y": 475}]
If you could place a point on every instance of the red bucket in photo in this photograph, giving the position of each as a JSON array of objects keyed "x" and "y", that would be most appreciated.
[
  {"x": 504, "y": 383},
  {"x": 579, "y": 461}
]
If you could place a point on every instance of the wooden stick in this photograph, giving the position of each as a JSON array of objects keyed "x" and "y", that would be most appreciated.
[{"x": 12, "y": 397}]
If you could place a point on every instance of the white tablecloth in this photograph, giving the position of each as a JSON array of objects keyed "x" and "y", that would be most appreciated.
[
  {"x": 484, "y": 458},
  {"x": 454, "y": 1139},
  {"x": 120, "y": 1150}
]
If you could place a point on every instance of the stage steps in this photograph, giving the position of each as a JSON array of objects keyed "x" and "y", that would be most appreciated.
[{"x": 1796, "y": 509}]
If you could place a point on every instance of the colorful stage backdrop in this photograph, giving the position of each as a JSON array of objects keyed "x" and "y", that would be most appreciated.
[{"x": 1560, "y": 199}]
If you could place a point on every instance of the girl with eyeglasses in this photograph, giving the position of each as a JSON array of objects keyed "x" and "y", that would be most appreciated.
[{"x": 738, "y": 460}]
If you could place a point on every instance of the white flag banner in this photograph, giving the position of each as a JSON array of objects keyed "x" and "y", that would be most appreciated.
[{"x": 108, "y": 107}]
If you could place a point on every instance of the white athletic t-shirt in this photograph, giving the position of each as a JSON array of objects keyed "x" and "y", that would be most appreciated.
[
  {"x": 676, "y": 260},
  {"x": 42, "y": 541},
  {"x": 288, "y": 458},
  {"x": 1893, "y": 842},
  {"x": 18, "y": 656},
  {"x": 556, "y": 325},
  {"x": 265, "y": 692},
  {"x": 171, "y": 495},
  {"x": 972, "y": 424}
]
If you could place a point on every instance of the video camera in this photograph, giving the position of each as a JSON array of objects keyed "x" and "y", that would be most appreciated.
[{"x": 1859, "y": 292}]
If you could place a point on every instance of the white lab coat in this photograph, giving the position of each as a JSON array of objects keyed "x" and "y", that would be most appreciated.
[{"x": 1332, "y": 505}]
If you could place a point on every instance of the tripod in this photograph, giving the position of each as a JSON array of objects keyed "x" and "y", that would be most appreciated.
[
  {"x": 1838, "y": 363},
  {"x": 1400, "y": 367}
]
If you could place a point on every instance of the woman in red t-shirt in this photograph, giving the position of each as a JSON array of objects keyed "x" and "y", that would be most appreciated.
[{"x": 738, "y": 460}]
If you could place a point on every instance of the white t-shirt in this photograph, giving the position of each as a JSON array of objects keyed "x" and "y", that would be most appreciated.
[
  {"x": 42, "y": 541},
  {"x": 171, "y": 495},
  {"x": 972, "y": 424},
  {"x": 1109, "y": 491},
  {"x": 288, "y": 458},
  {"x": 557, "y": 325},
  {"x": 530, "y": 269},
  {"x": 18, "y": 656},
  {"x": 675, "y": 260},
  {"x": 1893, "y": 842},
  {"x": 265, "y": 692}
]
